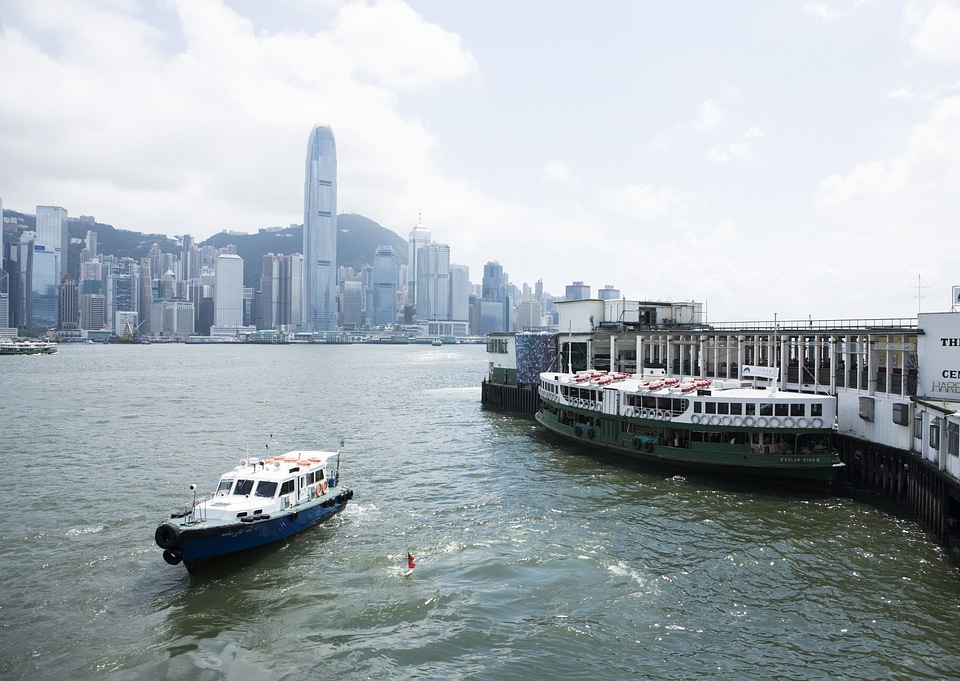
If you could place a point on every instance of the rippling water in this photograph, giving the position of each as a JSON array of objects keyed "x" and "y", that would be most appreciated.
[{"x": 532, "y": 561}]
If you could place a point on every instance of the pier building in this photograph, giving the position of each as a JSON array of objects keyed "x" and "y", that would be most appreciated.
[{"x": 896, "y": 381}]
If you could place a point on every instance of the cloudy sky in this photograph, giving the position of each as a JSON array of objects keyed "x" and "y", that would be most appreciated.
[{"x": 793, "y": 158}]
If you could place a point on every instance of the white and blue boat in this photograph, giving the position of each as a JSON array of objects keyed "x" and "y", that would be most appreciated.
[{"x": 258, "y": 503}]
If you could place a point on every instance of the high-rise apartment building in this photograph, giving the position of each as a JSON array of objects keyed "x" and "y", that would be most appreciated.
[{"x": 320, "y": 232}]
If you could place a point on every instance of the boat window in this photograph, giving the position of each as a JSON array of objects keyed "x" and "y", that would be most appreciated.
[
  {"x": 287, "y": 487},
  {"x": 736, "y": 408},
  {"x": 697, "y": 407},
  {"x": 797, "y": 409},
  {"x": 816, "y": 409},
  {"x": 225, "y": 485},
  {"x": 711, "y": 407},
  {"x": 781, "y": 409},
  {"x": 266, "y": 488},
  {"x": 749, "y": 409},
  {"x": 723, "y": 408},
  {"x": 243, "y": 487},
  {"x": 766, "y": 409}
]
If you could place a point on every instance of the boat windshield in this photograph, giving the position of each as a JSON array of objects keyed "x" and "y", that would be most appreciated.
[
  {"x": 225, "y": 485},
  {"x": 243, "y": 487},
  {"x": 266, "y": 488}
]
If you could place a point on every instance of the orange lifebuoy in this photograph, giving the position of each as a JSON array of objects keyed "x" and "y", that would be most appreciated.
[{"x": 321, "y": 487}]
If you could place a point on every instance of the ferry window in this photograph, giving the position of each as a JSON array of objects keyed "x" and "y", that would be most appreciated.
[
  {"x": 781, "y": 409},
  {"x": 697, "y": 407},
  {"x": 797, "y": 409},
  {"x": 750, "y": 409},
  {"x": 766, "y": 409},
  {"x": 266, "y": 489},
  {"x": 243, "y": 487},
  {"x": 723, "y": 408},
  {"x": 953, "y": 438},
  {"x": 224, "y": 485},
  {"x": 736, "y": 408},
  {"x": 287, "y": 487},
  {"x": 816, "y": 409},
  {"x": 711, "y": 407}
]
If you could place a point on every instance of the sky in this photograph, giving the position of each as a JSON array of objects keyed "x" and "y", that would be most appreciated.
[{"x": 793, "y": 159}]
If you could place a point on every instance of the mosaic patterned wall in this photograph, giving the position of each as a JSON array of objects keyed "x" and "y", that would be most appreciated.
[{"x": 536, "y": 352}]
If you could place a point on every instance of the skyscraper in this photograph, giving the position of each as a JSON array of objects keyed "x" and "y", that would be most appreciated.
[
  {"x": 320, "y": 232},
  {"x": 52, "y": 234},
  {"x": 384, "y": 285},
  {"x": 419, "y": 237},
  {"x": 228, "y": 295}
]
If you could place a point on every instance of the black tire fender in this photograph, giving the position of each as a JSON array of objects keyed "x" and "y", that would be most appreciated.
[{"x": 167, "y": 536}]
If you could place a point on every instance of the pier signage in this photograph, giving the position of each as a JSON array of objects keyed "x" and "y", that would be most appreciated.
[{"x": 939, "y": 351}]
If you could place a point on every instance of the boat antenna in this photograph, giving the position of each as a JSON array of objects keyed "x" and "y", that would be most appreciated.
[{"x": 338, "y": 459}]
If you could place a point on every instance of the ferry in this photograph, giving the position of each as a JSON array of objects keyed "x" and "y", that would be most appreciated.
[
  {"x": 698, "y": 424},
  {"x": 257, "y": 503},
  {"x": 27, "y": 347}
]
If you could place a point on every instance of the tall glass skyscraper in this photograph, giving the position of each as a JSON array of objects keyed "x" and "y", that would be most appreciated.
[{"x": 320, "y": 232}]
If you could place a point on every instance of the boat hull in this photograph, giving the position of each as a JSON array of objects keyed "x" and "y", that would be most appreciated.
[
  {"x": 200, "y": 543},
  {"x": 820, "y": 468}
]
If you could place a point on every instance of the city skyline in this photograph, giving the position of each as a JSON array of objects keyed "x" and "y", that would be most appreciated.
[{"x": 790, "y": 158}]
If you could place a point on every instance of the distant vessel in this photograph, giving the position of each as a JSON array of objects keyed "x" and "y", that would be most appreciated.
[
  {"x": 258, "y": 503},
  {"x": 27, "y": 348},
  {"x": 695, "y": 424},
  {"x": 436, "y": 342}
]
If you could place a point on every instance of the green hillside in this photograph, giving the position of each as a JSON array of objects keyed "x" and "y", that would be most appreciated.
[{"x": 357, "y": 240}]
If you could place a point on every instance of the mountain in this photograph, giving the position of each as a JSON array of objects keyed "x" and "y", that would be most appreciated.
[{"x": 357, "y": 240}]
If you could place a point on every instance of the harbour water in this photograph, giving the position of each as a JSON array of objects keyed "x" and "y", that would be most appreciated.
[{"x": 534, "y": 561}]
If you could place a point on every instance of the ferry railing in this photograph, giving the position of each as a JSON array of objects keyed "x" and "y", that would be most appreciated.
[{"x": 817, "y": 324}]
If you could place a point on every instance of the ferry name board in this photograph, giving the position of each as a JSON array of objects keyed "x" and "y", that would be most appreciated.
[{"x": 939, "y": 351}]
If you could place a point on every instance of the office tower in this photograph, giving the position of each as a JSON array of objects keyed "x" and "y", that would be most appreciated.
[
  {"x": 433, "y": 282},
  {"x": 608, "y": 292},
  {"x": 52, "y": 234},
  {"x": 4, "y": 278},
  {"x": 351, "y": 300},
  {"x": 528, "y": 315},
  {"x": 492, "y": 280},
  {"x": 69, "y": 304},
  {"x": 320, "y": 232},
  {"x": 146, "y": 298},
  {"x": 43, "y": 291},
  {"x": 384, "y": 285},
  {"x": 228, "y": 294},
  {"x": 419, "y": 237},
  {"x": 577, "y": 291},
  {"x": 459, "y": 293},
  {"x": 189, "y": 259},
  {"x": 270, "y": 288},
  {"x": 122, "y": 289},
  {"x": 280, "y": 289}
]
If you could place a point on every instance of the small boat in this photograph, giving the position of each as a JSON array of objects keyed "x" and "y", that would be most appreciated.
[
  {"x": 700, "y": 424},
  {"x": 259, "y": 502},
  {"x": 26, "y": 347},
  {"x": 436, "y": 342}
]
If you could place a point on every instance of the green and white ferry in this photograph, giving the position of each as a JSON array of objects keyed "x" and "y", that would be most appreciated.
[{"x": 696, "y": 424}]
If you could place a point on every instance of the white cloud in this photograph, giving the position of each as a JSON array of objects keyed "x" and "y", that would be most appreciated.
[
  {"x": 936, "y": 31},
  {"x": 711, "y": 113},
  {"x": 557, "y": 171},
  {"x": 642, "y": 202},
  {"x": 742, "y": 149},
  {"x": 827, "y": 12},
  {"x": 901, "y": 93}
]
